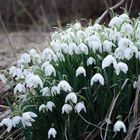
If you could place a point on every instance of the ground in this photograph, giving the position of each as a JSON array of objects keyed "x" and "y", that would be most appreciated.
[{"x": 21, "y": 41}]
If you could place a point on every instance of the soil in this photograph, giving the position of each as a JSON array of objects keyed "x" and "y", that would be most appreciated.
[{"x": 21, "y": 42}]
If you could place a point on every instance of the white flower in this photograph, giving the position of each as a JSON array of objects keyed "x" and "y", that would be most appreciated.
[
  {"x": 42, "y": 108},
  {"x": 27, "y": 118},
  {"x": 118, "y": 126},
  {"x": 65, "y": 48},
  {"x": 97, "y": 78},
  {"x": 71, "y": 97},
  {"x": 107, "y": 46},
  {"x": 94, "y": 43},
  {"x": 8, "y": 123},
  {"x": 128, "y": 53},
  {"x": 64, "y": 85},
  {"x": 79, "y": 107},
  {"x": 91, "y": 61},
  {"x": 12, "y": 70},
  {"x": 127, "y": 28},
  {"x": 80, "y": 71},
  {"x": 138, "y": 55},
  {"x": 55, "y": 90},
  {"x": 49, "y": 55},
  {"x": 50, "y": 105},
  {"x": 16, "y": 120},
  {"x": 121, "y": 67},
  {"x": 32, "y": 52},
  {"x": 24, "y": 59},
  {"x": 83, "y": 48},
  {"x": 33, "y": 81},
  {"x": 97, "y": 26},
  {"x": 52, "y": 132},
  {"x": 115, "y": 21},
  {"x": 16, "y": 72},
  {"x": 108, "y": 60},
  {"x": 124, "y": 17},
  {"x": 49, "y": 70},
  {"x": 66, "y": 108},
  {"x": 77, "y": 26},
  {"x": 45, "y": 64},
  {"x": 135, "y": 84},
  {"x": 20, "y": 87},
  {"x": 125, "y": 43},
  {"x": 3, "y": 79},
  {"x": 45, "y": 91}
]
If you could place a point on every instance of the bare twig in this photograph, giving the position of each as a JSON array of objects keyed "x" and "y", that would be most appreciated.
[
  {"x": 6, "y": 33},
  {"x": 136, "y": 98},
  {"x": 112, "y": 107},
  {"x": 131, "y": 4},
  {"x": 19, "y": 2},
  {"x": 107, "y": 11}
]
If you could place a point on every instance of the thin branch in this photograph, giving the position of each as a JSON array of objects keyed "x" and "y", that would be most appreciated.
[
  {"x": 131, "y": 4},
  {"x": 113, "y": 105},
  {"x": 6, "y": 33},
  {"x": 107, "y": 11}
]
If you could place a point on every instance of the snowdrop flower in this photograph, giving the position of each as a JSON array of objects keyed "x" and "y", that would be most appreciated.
[
  {"x": 12, "y": 70},
  {"x": 64, "y": 85},
  {"x": 20, "y": 88},
  {"x": 3, "y": 79},
  {"x": 45, "y": 64},
  {"x": 71, "y": 97},
  {"x": 55, "y": 90},
  {"x": 91, "y": 61},
  {"x": 124, "y": 17},
  {"x": 32, "y": 52},
  {"x": 27, "y": 118},
  {"x": 52, "y": 133},
  {"x": 42, "y": 108},
  {"x": 126, "y": 28},
  {"x": 121, "y": 67},
  {"x": 118, "y": 126},
  {"x": 97, "y": 27},
  {"x": 135, "y": 84},
  {"x": 79, "y": 107},
  {"x": 8, "y": 123},
  {"x": 77, "y": 26},
  {"x": 16, "y": 120},
  {"x": 108, "y": 60},
  {"x": 66, "y": 108},
  {"x": 16, "y": 72},
  {"x": 33, "y": 81},
  {"x": 125, "y": 43},
  {"x": 49, "y": 70},
  {"x": 49, "y": 55},
  {"x": 119, "y": 54},
  {"x": 138, "y": 55},
  {"x": 83, "y": 48},
  {"x": 24, "y": 59},
  {"x": 80, "y": 71},
  {"x": 56, "y": 46},
  {"x": 72, "y": 47},
  {"x": 97, "y": 78},
  {"x": 89, "y": 31},
  {"x": 128, "y": 53},
  {"x": 107, "y": 46},
  {"x": 50, "y": 105},
  {"x": 94, "y": 43},
  {"x": 45, "y": 91},
  {"x": 80, "y": 35},
  {"x": 116, "y": 21},
  {"x": 65, "y": 47}
]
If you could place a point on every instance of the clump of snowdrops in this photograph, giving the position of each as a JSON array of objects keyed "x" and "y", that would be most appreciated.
[{"x": 78, "y": 86}]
